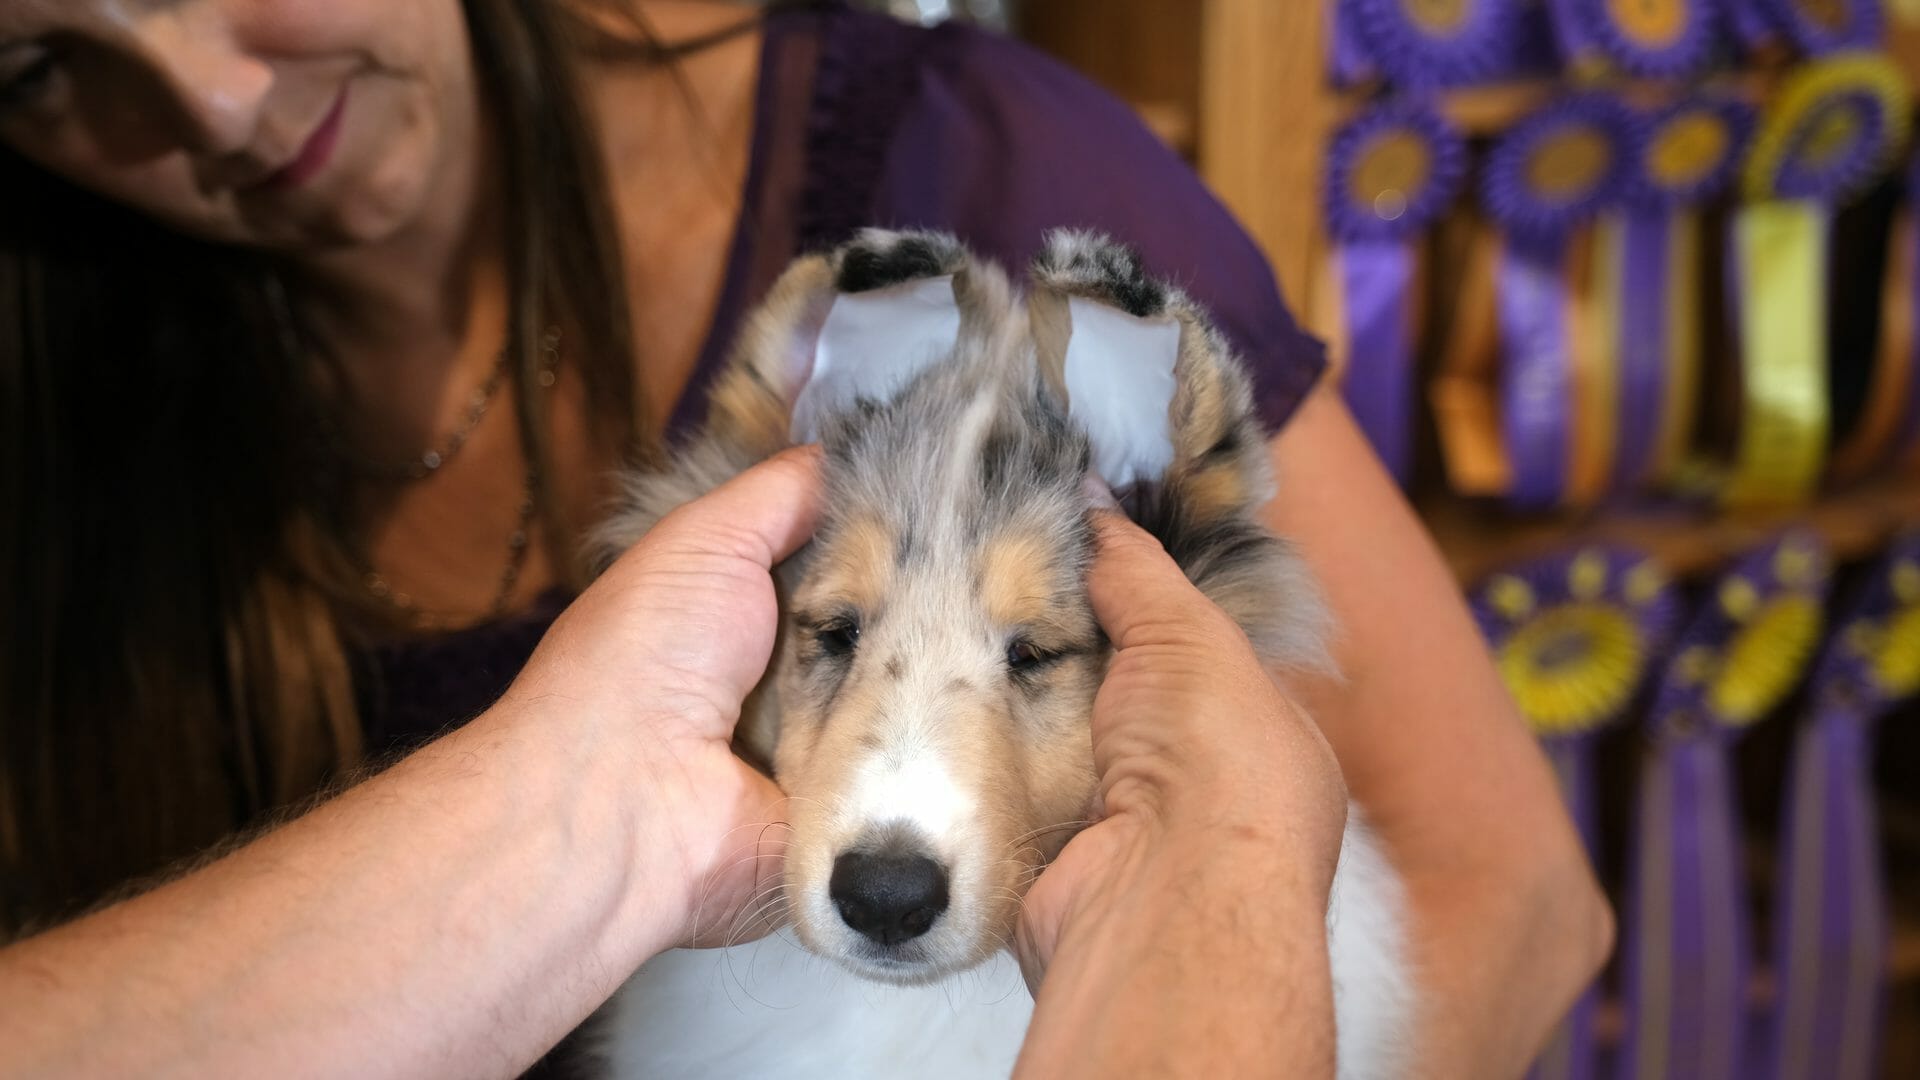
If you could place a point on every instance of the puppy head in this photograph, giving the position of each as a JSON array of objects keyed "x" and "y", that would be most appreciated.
[{"x": 928, "y": 704}]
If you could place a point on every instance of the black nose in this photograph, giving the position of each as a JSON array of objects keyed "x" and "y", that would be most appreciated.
[{"x": 888, "y": 898}]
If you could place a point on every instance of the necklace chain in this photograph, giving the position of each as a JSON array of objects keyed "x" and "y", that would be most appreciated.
[{"x": 520, "y": 540}]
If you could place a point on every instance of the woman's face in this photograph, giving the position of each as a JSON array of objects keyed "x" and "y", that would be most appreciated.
[{"x": 297, "y": 125}]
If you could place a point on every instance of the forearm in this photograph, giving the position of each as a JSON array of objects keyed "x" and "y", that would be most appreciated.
[
  {"x": 449, "y": 917},
  {"x": 1210, "y": 962},
  {"x": 1507, "y": 920}
]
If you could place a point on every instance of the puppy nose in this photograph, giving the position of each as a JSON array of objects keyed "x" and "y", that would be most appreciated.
[{"x": 888, "y": 898}]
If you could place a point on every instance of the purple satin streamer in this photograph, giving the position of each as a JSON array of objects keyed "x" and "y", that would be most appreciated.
[
  {"x": 1831, "y": 934},
  {"x": 1685, "y": 930},
  {"x": 1571, "y": 1053},
  {"x": 1645, "y": 312},
  {"x": 1348, "y": 63},
  {"x": 1377, "y": 286},
  {"x": 1536, "y": 383}
]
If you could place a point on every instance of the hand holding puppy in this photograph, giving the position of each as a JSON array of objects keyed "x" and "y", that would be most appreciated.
[
  {"x": 666, "y": 645},
  {"x": 1190, "y": 920}
]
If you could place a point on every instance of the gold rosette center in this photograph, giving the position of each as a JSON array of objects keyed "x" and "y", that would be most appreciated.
[
  {"x": 1687, "y": 148},
  {"x": 1826, "y": 14},
  {"x": 1391, "y": 170},
  {"x": 1895, "y": 657},
  {"x": 1574, "y": 667},
  {"x": 1765, "y": 659},
  {"x": 1568, "y": 163},
  {"x": 1832, "y": 133},
  {"x": 1650, "y": 23},
  {"x": 1437, "y": 16}
]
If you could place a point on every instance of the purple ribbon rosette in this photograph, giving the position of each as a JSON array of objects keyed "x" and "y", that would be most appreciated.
[
  {"x": 1689, "y": 154},
  {"x": 1684, "y": 944},
  {"x": 1543, "y": 183},
  {"x": 1390, "y": 172},
  {"x": 1574, "y": 637},
  {"x": 1830, "y": 932},
  {"x": 1420, "y": 44},
  {"x": 1648, "y": 39}
]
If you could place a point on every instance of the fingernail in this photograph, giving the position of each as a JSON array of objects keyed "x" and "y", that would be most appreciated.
[{"x": 1099, "y": 495}]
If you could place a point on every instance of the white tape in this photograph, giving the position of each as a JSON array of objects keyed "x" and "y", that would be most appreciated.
[
  {"x": 873, "y": 344},
  {"x": 1119, "y": 373}
]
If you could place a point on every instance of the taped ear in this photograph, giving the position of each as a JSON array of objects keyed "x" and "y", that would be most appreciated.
[
  {"x": 1158, "y": 392},
  {"x": 1168, "y": 407},
  {"x": 857, "y": 324},
  {"x": 872, "y": 344}
]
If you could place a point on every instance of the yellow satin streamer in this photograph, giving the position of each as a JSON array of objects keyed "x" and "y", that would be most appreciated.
[{"x": 1780, "y": 257}]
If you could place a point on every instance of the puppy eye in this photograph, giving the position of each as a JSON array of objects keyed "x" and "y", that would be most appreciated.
[
  {"x": 1024, "y": 655},
  {"x": 838, "y": 637}
]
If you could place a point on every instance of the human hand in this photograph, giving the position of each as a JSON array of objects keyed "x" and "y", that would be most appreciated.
[
  {"x": 1211, "y": 780},
  {"x": 663, "y": 648}
]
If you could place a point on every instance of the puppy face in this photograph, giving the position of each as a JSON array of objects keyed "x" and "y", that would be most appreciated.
[{"x": 940, "y": 667}]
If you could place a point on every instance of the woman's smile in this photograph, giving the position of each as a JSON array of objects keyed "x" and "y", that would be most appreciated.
[{"x": 313, "y": 156}]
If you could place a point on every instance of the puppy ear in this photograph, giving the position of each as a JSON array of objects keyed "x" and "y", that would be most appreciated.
[
  {"x": 836, "y": 331},
  {"x": 1169, "y": 412},
  {"x": 857, "y": 324}
]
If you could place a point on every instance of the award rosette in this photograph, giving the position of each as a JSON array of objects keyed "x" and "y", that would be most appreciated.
[
  {"x": 1543, "y": 183},
  {"x": 1648, "y": 259},
  {"x": 1429, "y": 43},
  {"x": 1574, "y": 637},
  {"x": 1829, "y": 133},
  {"x": 1684, "y": 944},
  {"x": 1831, "y": 931},
  {"x": 1390, "y": 172},
  {"x": 1645, "y": 38}
]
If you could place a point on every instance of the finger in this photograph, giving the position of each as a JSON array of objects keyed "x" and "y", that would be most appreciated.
[
  {"x": 763, "y": 514},
  {"x": 1137, "y": 589}
]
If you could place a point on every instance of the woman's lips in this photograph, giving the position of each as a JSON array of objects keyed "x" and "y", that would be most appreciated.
[{"x": 314, "y": 155}]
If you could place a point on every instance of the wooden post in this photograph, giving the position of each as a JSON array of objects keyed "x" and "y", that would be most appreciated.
[{"x": 1265, "y": 112}]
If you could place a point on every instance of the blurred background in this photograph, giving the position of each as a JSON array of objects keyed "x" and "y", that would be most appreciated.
[{"x": 1624, "y": 291}]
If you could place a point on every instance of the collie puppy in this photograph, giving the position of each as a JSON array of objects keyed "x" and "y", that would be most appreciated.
[{"x": 927, "y": 705}]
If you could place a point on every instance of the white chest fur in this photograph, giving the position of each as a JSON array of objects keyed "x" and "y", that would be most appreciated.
[{"x": 771, "y": 1010}]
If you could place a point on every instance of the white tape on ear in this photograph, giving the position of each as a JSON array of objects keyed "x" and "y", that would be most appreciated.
[
  {"x": 1119, "y": 374},
  {"x": 873, "y": 344}
]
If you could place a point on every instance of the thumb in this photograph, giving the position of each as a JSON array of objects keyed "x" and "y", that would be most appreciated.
[
  {"x": 762, "y": 515},
  {"x": 1139, "y": 593}
]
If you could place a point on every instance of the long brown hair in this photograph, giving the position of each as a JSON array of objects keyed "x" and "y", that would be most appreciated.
[{"x": 172, "y": 559}]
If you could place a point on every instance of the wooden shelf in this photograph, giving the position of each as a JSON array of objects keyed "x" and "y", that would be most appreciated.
[
  {"x": 1477, "y": 539},
  {"x": 1490, "y": 109}
]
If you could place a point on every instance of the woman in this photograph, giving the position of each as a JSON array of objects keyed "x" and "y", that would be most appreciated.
[{"x": 321, "y": 325}]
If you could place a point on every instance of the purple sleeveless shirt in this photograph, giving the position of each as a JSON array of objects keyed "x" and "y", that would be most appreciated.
[{"x": 862, "y": 120}]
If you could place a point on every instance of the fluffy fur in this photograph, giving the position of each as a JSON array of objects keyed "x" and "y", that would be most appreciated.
[{"x": 938, "y": 659}]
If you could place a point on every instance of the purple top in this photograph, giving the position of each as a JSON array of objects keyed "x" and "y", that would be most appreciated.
[{"x": 863, "y": 120}]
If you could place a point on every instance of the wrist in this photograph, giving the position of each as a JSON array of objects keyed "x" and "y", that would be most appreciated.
[
  {"x": 605, "y": 789},
  {"x": 1199, "y": 952}
]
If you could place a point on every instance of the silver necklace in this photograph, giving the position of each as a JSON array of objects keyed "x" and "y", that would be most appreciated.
[{"x": 520, "y": 540}]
